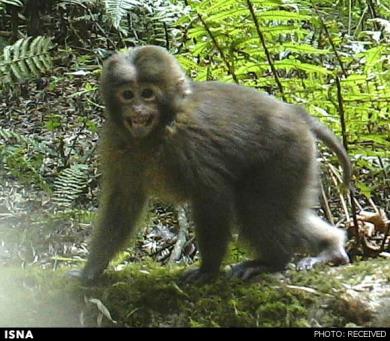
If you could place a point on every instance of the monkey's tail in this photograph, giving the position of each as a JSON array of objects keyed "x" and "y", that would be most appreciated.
[{"x": 324, "y": 134}]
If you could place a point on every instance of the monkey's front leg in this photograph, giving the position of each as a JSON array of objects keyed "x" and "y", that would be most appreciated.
[
  {"x": 212, "y": 222},
  {"x": 120, "y": 206}
]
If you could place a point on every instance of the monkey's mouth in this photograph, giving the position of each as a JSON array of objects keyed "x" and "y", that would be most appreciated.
[
  {"x": 141, "y": 121},
  {"x": 140, "y": 125}
]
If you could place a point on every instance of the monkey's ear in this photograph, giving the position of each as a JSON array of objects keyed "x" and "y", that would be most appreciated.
[
  {"x": 183, "y": 86},
  {"x": 112, "y": 60}
]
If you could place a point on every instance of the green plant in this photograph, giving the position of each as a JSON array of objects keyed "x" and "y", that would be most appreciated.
[
  {"x": 70, "y": 184},
  {"x": 17, "y": 3},
  {"x": 23, "y": 157},
  {"x": 150, "y": 21},
  {"x": 27, "y": 58},
  {"x": 299, "y": 52},
  {"x": 116, "y": 10}
]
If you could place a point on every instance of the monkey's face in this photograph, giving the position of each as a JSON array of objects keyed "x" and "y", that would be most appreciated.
[
  {"x": 138, "y": 108},
  {"x": 143, "y": 89}
]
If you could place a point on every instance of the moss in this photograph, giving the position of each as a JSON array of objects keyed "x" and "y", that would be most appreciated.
[
  {"x": 355, "y": 272},
  {"x": 38, "y": 298},
  {"x": 149, "y": 295},
  {"x": 316, "y": 278}
]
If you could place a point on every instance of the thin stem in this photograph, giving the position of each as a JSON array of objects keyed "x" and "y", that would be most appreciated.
[
  {"x": 220, "y": 50},
  {"x": 332, "y": 44},
  {"x": 266, "y": 51}
]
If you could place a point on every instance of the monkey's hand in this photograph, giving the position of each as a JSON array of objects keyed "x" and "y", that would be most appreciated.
[
  {"x": 198, "y": 276},
  {"x": 86, "y": 277},
  {"x": 338, "y": 257},
  {"x": 248, "y": 270}
]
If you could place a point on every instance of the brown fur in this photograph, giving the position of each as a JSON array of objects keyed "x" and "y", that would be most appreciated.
[{"x": 236, "y": 155}]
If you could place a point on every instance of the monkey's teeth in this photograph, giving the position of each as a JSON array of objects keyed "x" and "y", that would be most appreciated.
[{"x": 141, "y": 120}]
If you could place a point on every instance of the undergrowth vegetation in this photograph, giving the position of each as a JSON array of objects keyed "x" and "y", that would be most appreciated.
[{"x": 331, "y": 57}]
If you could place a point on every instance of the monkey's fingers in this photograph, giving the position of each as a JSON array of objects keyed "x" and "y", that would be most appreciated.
[
  {"x": 198, "y": 276},
  {"x": 308, "y": 263},
  {"x": 337, "y": 258},
  {"x": 82, "y": 276},
  {"x": 245, "y": 271}
]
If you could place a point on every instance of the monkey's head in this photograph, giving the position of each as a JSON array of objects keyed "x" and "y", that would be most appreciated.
[{"x": 143, "y": 89}]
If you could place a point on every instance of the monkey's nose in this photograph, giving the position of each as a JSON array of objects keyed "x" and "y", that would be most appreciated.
[{"x": 138, "y": 109}]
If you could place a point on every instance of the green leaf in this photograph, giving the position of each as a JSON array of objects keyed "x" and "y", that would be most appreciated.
[
  {"x": 216, "y": 5},
  {"x": 117, "y": 9},
  {"x": 303, "y": 48},
  {"x": 233, "y": 13},
  {"x": 289, "y": 64},
  {"x": 378, "y": 139},
  {"x": 364, "y": 189},
  {"x": 26, "y": 58},
  {"x": 373, "y": 56},
  {"x": 282, "y": 15},
  {"x": 70, "y": 184},
  {"x": 17, "y": 3},
  {"x": 355, "y": 79}
]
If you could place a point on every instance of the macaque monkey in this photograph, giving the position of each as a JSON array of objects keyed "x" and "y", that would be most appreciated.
[{"x": 240, "y": 158}]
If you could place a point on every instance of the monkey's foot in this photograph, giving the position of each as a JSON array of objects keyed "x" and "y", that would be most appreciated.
[
  {"x": 248, "y": 270},
  {"x": 338, "y": 257},
  {"x": 308, "y": 263},
  {"x": 198, "y": 276}
]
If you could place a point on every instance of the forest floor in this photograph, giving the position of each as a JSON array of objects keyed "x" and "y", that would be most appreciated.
[
  {"x": 150, "y": 295},
  {"x": 142, "y": 289}
]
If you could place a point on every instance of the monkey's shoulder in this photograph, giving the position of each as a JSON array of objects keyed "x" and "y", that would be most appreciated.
[
  {"x": 213, "y": 98},
  {"x": 233, "y": 91},
  {"x": 214, "y": 107}
]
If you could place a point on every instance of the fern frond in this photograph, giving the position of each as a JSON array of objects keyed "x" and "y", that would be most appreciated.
[
  {"x": 82, "y": 3},
  {"x": 303, "y": 48},
  {"x": 17, "y": 138},
  {"x": 26, "y": 58},
  {"x": 294, "y": 64},
  {"x": 70, "y": 184},
  {"x": 165, "y": 11},
  {"x": 117, "y": 9},
  {"x": 282, "y": 16},
  {"x": 17, "y": 3}
]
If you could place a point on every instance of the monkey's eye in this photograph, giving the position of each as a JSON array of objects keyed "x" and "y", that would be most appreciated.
[
  {"x": 127, "y": 94},
  {"x": 147, "y": 93}
]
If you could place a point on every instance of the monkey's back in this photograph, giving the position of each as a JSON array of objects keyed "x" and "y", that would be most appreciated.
[
  {"x": 235, "y": 134},
  {"x": 249, "y": 118}
]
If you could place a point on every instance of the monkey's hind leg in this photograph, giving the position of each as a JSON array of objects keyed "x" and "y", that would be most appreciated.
[
  {"x": 325, "y": 240},
  {"x": 268, "y": 235}
]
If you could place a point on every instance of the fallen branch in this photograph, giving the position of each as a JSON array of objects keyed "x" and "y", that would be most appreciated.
[{"x": 184, "y": 223}]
